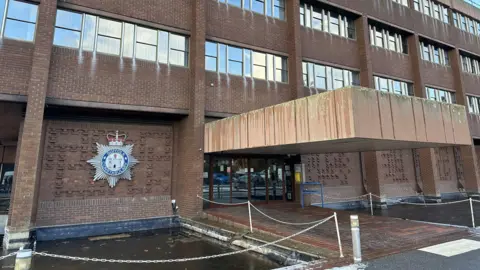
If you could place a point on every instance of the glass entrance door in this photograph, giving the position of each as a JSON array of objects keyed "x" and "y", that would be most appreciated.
[
  {"x": 258, "y": 175},
  {"x": 275, "y": 180}
]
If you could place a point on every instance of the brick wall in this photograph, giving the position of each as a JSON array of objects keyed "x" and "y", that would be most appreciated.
[
  {"x": 437, "y": 75},
  {"x": 396, "y": 173},
  {"x": 470, "y": 84},
  {"x": 447, "y": 174},
  {"x": 175, "y": 13},
  {"x": 15, "y": 66},
  {"x": 104, "y": 78},
  {"x": 67, "y": 192},
  {"x": 396, "y": 65}
]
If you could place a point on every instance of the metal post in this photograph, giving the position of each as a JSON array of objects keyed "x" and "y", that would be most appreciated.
[
  {"x": 338, "y": 235},
  {"x": 23, "y": 260},
  {"x": 471, "y": 211},
  {"x": 371, "y": 205},
  {"x": 357, "y": 248},
  {"x": 250, "y": 217},
  {"x": 321, "y": 190}
]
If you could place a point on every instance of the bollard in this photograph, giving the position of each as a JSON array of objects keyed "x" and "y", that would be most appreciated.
[
  {"x": 23, "y": 261},
  {"x": 471, "y": 211},
  {"x": 371, "y": 204},
  {"x": 357, "y": 249},
  {"x": 250, "y": 217}
]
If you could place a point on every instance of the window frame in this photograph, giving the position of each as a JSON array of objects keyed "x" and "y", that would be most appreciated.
[
  {"x": 5, "y": 19},
  {"x": 80, "y": 32}
]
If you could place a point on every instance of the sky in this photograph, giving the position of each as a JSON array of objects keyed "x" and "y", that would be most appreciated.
[{"x": 477, "y": 2}]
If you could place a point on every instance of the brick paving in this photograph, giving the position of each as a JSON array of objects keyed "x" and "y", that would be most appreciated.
[{"x": 380, "y": 235}]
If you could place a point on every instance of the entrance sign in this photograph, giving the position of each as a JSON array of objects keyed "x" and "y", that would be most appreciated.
[{"x": 113, "y": 162}]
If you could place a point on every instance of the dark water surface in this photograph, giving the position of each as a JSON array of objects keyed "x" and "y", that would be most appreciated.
[{"x": 145, "y": 246}]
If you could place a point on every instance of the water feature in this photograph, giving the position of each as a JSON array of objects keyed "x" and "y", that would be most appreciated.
[{"x": 152, "y": 245}]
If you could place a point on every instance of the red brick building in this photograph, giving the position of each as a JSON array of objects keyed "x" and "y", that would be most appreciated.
[{"x": 73, "y": 71}]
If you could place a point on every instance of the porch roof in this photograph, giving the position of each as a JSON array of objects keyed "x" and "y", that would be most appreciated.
[{"x": 350, "y": 119}]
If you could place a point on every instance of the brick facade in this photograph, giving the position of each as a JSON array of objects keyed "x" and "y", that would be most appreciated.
[{"x": 55, "y": 190}]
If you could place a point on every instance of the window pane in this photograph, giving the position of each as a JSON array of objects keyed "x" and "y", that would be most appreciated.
[
  {"x": 110, "y": 28},
  {"x": 89, "y": 33},
  {"x": 317, "y": 20},
  {"x": 163, "y": 47},
  {"x": 383, "y": 84},
  {"x": 279, "y": 12},
  {"x": 268, "y": 4},
  {"x": 66, "y": 38},
  {"x": 178, "y": 58},
  {"x": 2, "y": 8},
  {"x": 211, "y": 63},
  {"x": 210, "y": 49},
  {"x": 334, "y": 24},
  {"x": 246, "y": 5},
  {"x": 70, "y": 20},
  {"x": 146, "y": 52},
  {"x": 22, "y": 11},
  {"x": 235, "y": 68},
  {"x": 108, "y": 45},
  {"x": 248, "y": 62},
  {"x": 146, "y": 35},
  {"x": 426, "y": 53},
  {"x": 281, "y": 75},
  {"x": 328, "y": 72},
  {"x": 308, "y": 17},
  {"x": 259, "y": 72},
  {"x": 128, "y": 37},
  {"x": 237, "y": 3},
  {"x": 436, "y": 56},
  {"x": 280, "y": 63},
  {"x": 259, "y": 59},
  {"x": 258, "y": 6},
  {"x": 222, "y": 58},
  {"x": 235, "y": 53},
  {"x": 320, "y": 81},
  {"x": 379, "y": 38},
  {"x": 270, "y": 67},
  {"x": 397, "y": 89},
  {"x": 302, "y": 15},
  {"x": 178, "y": 42},
  {"x": 391, "y": 42},
  {"x": 431, "y": 93},
  {"x": 19, "y": 30}
]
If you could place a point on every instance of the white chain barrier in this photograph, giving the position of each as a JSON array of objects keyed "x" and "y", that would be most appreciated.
[
  {"x": 74, "y": 258},
  {"x": 284, "y": 222},
  {"x": 219, "y": 203},
  {"x": 8, "y": 255}
]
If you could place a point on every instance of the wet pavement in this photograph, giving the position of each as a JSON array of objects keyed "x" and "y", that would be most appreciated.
[{"x": 144, "y": 246}]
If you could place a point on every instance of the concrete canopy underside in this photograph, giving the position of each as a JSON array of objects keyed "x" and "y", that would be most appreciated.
[{"x": 350, "y": 119}]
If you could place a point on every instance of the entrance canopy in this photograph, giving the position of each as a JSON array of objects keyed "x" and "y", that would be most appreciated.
[{"x": 350, "y": 119}]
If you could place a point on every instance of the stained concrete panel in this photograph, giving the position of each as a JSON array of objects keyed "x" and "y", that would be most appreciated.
[
  {"x": 404, "y": 118},
  {"x": 322, "y": 121},
  {"x": 270, "y": 125},
  {"x": 301, "y": 120},
  {"x": 284, "y": 123},
  {"x": 447, "y": 123},
  {"x": 256, "y": 128},
  {"x": 386, "y": 118},
  {"x": 366, "y": 112},
  {"x": 419, "y": 118},
  {"x": 433, "y": 121}
]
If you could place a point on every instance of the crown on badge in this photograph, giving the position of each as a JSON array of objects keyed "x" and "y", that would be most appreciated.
[{"x": 116, "y": 139}]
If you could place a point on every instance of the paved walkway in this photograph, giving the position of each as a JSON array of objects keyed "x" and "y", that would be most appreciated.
[{"x": 381, "y": 236}]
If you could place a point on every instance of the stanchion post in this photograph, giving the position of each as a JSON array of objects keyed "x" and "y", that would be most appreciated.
[
  {"x": 250, "y": 217},
  {"x": 471, "y": 211},
  {"x": 371, "y": 205},
  {"x": 23, "y": 260},
  {"x": 357, "y": 248},
  {"x": 321, "y": 190},
  {"x": 338, "y": 235}
]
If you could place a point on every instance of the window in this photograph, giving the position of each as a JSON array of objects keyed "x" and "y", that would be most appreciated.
[
  {"x": 20, "y": 19},
  {"x": 271, "y": 8},
  {"x": 97, "y": 34},
  {"x": 445, "y": 15},
  {"x": 436, "y": 11},
  {"x": 402, "y": 2},
  {"x": 473, "y": 104},
  {"x": 463, "y": 23},
  {"x": 455, "y": 20},
  {"x": 325, "y": 20},
  {"x": 432, "y": 9},
  {"x": 440, "y": 95},
  {"x": 393, "y": 86},
  {"x": 387, "y": 39},
  {"x": 470, "y": 64},
  {"x": 466, "y": 24},
  {"x": 434, "y": 54},
  {"x": 416, "y": 5},
  {"x": 426, "y": 7},
  {"x": 279, "y": 9},
  {"x": 244, "y": 62},
  {"x": 328, "y": 78}
]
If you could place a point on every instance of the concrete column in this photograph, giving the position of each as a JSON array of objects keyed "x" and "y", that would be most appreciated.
[
  {"x": 189, "y": 164},
  {"x": 295, "y": 50},
  {"x": 414, "y": 49},
  {"x": 364, "y": 52},
  {"x": 27, "y": 170},
  {"x": 467, "y": 156}
]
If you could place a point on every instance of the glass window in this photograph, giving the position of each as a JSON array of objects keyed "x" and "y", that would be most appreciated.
[
  {"x": 2, "y": 9},
  {"x": 436, "y": 56},
  {"x": 317, "y": 19},
  {"x": 211, "y": 56},
  {"x": 426, "y": 7},
  {"x": 68, "y": 20},
  {"x": 463, "y": 22},
  {"x": 68, "y": 26},
  {"x": 455, "y": 19},
  {"x": 279, "y": 9},
  {"x": 416, "y": 5},
  {"x": 20, "y": 21},
  {"x": 304, "y": 74},
  {"x": 247, "y": 54},
  {"x": 281, "y": 73},
  {"x": 259, "y": 65},
  {"x": 436, "y": 11},
  {"x": 235, "y": 61},
  {"x": 311, "y": 75},
  {"x": 379, "y": 38},
  {"x": 308, "y": 16},
  {"x": 128, "y": 39},
  {"x": 163, "y": 41},
  {"x": 178, "y": 50},
  {"x": 445, "y": 15},
  {"x": 237, "y": 3},
  {"x": 320, "y": 77},
  {"x": 350, "y": 28},
  {"x": 392, "y": 42},
  {"x": 246, "y": 5},
  {"x": 90, "y": 25},
  {"x": 426, "y": 52},
  {"x": 337, "y": 78},
  {"x": 146, "y": 47},
  {"x": 258, "y": 6},
  {"x": 334, "y": 24},
  {"x": 222, "y": 58},
  {"x": 302, "y": 15},
  {"x": 268, "y": 7},
  {"x": 270, "y": 68},
  {"x": 109, "y": 35}
]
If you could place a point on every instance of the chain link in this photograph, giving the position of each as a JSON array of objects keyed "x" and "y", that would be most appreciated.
[
  {"x": 219, "y": 203},
  {"x": 181, "y": 259},
  {"x": 8, "y": 255},
  {"x": 344, "y": 199},
  {"x": 285, "y": 222}
]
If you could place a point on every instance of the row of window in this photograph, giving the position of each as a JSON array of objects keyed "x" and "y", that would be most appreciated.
[
  {"x": 440, "y": 95},
  {"x": 473, "y": 104},
  {"x": 387, "y": 39},
  {"x": 401, "y": 2},
  {"x": 432, "y": 9},
  {"x": 18, "y": 19},
  {"x": 328, "y": 78},
  {"x": 272, "y": 8},
  {"x": 470, "y": 65},
  {"x": 245, "y": 62},
  {"x": 466, "y": 24},
  {"x": 393, "y": 86},
  {"x": 434, "y": 54},
  {"x": 93, "y": 33},
  {"x": 326, "y": 21}
]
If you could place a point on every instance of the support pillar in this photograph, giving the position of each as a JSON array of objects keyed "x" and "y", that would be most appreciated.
[
  {"x": 190, "y": 130},
  {"x": 28, "y": 161},
  {"x": 295, "y": 50},
  {"x": 364, "y": 52}
]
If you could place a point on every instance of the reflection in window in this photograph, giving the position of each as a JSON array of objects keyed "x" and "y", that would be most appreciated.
[
  {"x": 119, "y": 38},
  {"x": 244, "y": 62},
  {"x": 440, "y": 95},
  {"x": 470, "y": 64},
  {"x": 393, "y": 86},
  {"x": 432, "y": 9},
  {"x": 387, "y": 39},
  {"x": 466, "y": 23},
  {"x": 328, "y": 78},
  {"x": 327, "y": 21},
  {"x": 271, "y": 8},
  {"x": 20, "y": 19},
  {"x": 473, "y": 104},
  {"x": 434, "y": 54}
]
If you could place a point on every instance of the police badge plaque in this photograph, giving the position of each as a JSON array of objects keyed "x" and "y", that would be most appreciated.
[{"x": 113, "y": 162}]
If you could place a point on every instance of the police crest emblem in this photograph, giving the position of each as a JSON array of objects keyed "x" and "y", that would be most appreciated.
[{"x": 113, "y": 161}]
